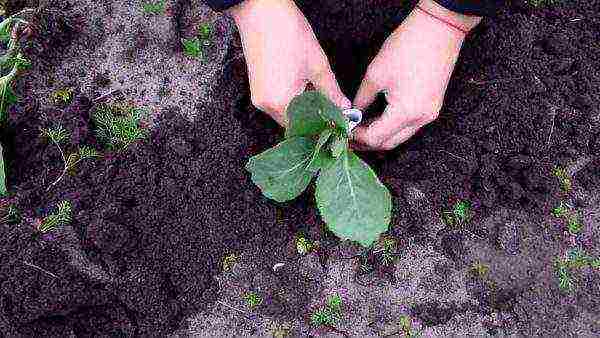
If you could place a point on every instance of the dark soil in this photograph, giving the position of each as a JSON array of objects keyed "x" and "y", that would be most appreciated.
[{"x": 151, "y": 225}]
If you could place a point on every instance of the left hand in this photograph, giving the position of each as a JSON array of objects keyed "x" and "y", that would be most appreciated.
[{"x": 413, "y": 69}]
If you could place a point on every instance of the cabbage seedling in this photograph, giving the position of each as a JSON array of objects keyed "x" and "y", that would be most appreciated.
[{"x": 352, "y": 201}]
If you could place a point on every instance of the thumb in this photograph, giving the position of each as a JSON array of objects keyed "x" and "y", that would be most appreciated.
[{"x": 325, "y": 82}]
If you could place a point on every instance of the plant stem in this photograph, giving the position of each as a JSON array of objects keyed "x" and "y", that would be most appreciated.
[
  {"x": 65, "y": 169},
  {"x": 41, "y": 269}
]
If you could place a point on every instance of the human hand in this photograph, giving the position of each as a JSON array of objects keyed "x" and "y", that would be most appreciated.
[
  {"x": 413, "y": 69},
  {"x": 282, "y": 54}
]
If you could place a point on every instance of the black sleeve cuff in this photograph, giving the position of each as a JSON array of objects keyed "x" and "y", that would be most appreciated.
[
  {"x": 221, "y": 5},
  {"x": 473, "y": 7}
]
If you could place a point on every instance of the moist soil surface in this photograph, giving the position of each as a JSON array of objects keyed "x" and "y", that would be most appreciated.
[{"x": 151, "y": 225}]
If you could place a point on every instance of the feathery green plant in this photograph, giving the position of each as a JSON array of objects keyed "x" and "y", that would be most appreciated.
[
  {"x": 575, "y": 259},
  {"x": 62, "y": 216},
  {"x": 62, "y": 96},
  {"x": 192, "y": 47},
  {"x": 303, "y": 245},
  {"x": 156, "y": 8},
  {"x": 229, "y": 261},
  {"x": 563, "y": 178},
  {"x": 252, "y": 299},
  {"x": 330, "y": 313},
  {"x": 119, "y": 125},
  {"x": 459, "y": 215},
  {"x": 59, "y": 134}
]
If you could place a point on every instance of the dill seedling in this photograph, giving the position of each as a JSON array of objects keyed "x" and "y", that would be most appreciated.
[
  {"x": 330, "y": 313},
  {"x": 59, "y": 134},
  {"x": 62, "y": 96},
  {"x": 229, "y": 261},
  {"x": 459, "y": 215},
  {"x": 61, "y": 216},
  {"x": 303, "y": 246},
  {"x": 192, "y": 47},
  {"x": 563, "y": 178},
  {"x": 119, "y": 125},
  {"x": 156, "y": 8},
  {"x": 252, "y": 299}
]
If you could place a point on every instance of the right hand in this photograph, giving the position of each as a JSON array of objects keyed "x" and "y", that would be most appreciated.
[{"x": 282, "y": 54}]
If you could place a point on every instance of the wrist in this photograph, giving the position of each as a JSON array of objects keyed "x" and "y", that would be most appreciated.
[{"x": 460, "y": 21}]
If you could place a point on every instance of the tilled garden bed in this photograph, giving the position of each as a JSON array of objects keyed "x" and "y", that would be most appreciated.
[{"x": 152, "y": 225}]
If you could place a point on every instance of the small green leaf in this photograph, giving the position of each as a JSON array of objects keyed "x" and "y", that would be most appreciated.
[
  {"x": 352, "y": 201},
  {"x": 281, "y": 172},
  {"x": 192, "y": 47},
  {"x": 339, "y": 146},
  {"x": 3, "y": 190},
  {"x": 319, "y": 157},
  {"x": 311, "y": 112}
]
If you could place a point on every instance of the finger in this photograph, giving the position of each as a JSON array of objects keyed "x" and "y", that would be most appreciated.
[
  {"x": 399, "y": 138},
  {"x": 376, "y": 135},
  {"x": 366, "y": 93},
  {"x": 325, "y": 82}
]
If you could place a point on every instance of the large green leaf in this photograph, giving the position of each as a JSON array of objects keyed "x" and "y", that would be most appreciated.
[
  {"x": 5, "y": 26},
  {"x": 352, "y": 201},
  {"x": 320, "y": 156},
  {"x": 312, "y": 112},
  {"x": 281, "y": 172},
  {"x": 3, "y": 190},
  {"x": 7, "y": 96},
  {"x": 339, "y": 145}
]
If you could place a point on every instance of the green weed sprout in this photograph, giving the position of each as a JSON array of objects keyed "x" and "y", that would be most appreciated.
[
  {"x": 229, "y": 261},
  {"x": 156, "y": 8},
  {"x": 252, "y": 299},
  {"x": 406, "y": 327},
  {"x": 459, "y": 215},
  {"x": 330, "y": 313},
  {"x": 62, "y": 216},
  {"x": 479, "y": 269},
  {"x": 8, "y": 212},
  {"x": 62, "y": 96},
  {"x": 575, "y": 259},
  {"x": 119, "y": 125},
  {"x": 387, "y": 246},
  {"x": 563, "y": 178},
  {"x": 303, "y": 246},
  {"x": 560, "y": 211},
  {"x": 192, "y": 47},
  {"x": 574, "y": 224},
  {"x": 205, "y": 33},
  {"x": 58, "y": 134}
]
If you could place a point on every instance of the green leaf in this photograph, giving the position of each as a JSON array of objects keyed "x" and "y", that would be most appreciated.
[
  {"x": 5, "y": 27},
  {"x": 339, "y": 146},
  {"x": 281, "y": 172},
  {"x": 352, "y": 201},
  {"x": 192, "y": 48},
  {"x": 3, "y": 190},
  {"x": 320, "y": 157},
  {"x": 7, "y": 96},
  {"x": 311, "y": 112}
]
